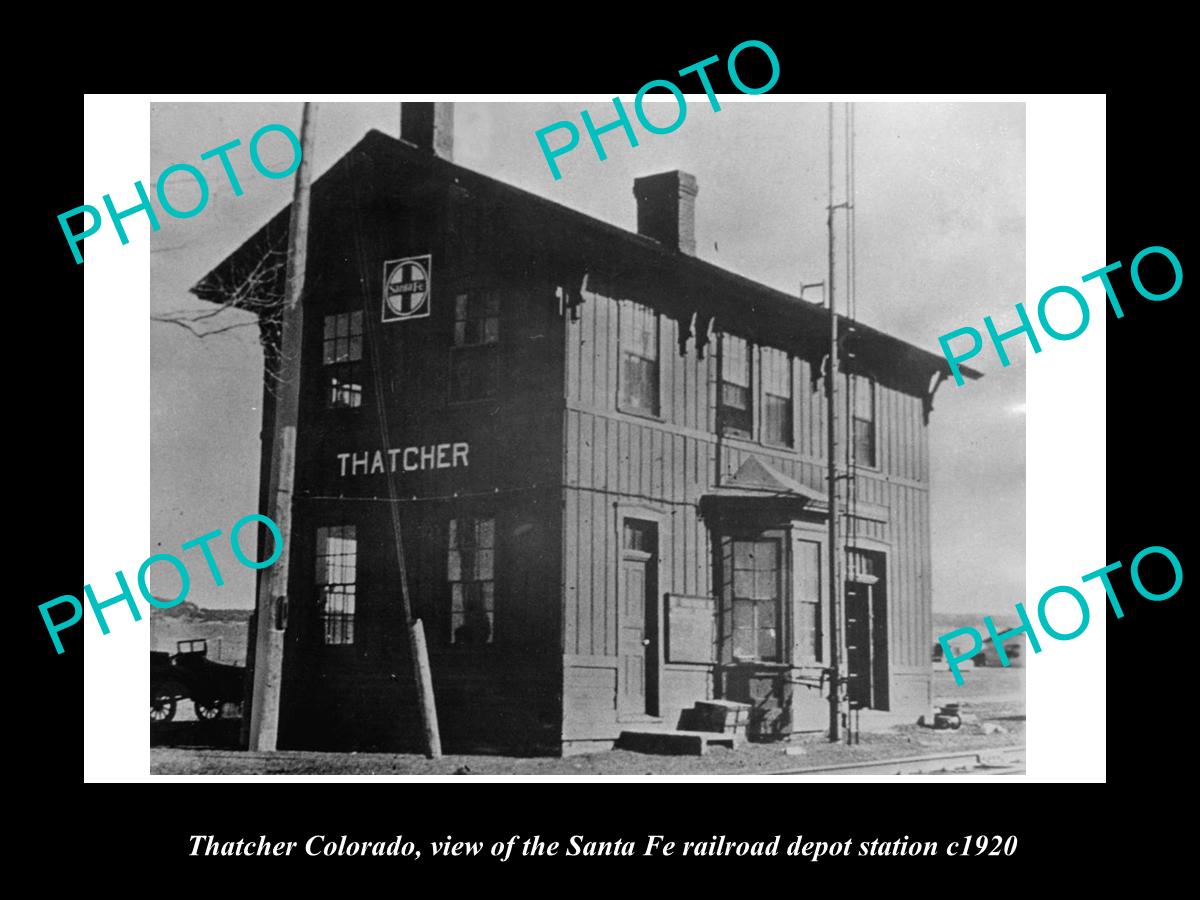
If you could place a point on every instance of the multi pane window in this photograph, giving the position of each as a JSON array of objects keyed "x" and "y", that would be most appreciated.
[
  {"x": 639, "y": 536},
  {"x": 474, "y": 358},
  {"x": 470, "y": 569},
  {"x": 756, "y": 599},
  {"x": 735, "y": 409},
  {"x": 863, "y": 565},
  {"x": 777, "y": 397},
  {"x": 337, "y": 564},
  {"x": 863, "y": 406},
  {"x": 343, "y": 353},
  {"x": 639, "y": 359}
]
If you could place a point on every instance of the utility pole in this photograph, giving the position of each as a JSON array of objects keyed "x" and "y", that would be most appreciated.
[
  {"x": 831, "y": 371},
  {"x": 271, "y": 607},
  {"x": 835, "y": 618}
]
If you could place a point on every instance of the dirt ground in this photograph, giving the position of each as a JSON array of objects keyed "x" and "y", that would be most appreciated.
[{"x": 995, "y": 696}]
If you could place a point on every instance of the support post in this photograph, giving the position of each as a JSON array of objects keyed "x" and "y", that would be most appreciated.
[{"x": 429, "y": 722}]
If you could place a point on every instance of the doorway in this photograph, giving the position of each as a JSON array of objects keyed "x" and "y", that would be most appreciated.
[{"x": 637, "y": 626}]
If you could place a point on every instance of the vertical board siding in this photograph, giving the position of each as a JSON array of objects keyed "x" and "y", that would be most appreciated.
[
  {"x": 584, "y": 383},
  {"x": 583, "y": 574},
  {"x": 664, "y": 465},
  {"x": 571, "y": 619},
  {"x": 603, "y": 603},
  {"x": 605, "y": 369}
]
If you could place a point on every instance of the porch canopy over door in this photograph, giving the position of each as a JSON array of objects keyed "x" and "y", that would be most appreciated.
[{"x": 759, "y": 503}]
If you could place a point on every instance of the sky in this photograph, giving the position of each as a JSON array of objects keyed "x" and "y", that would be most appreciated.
[{"x": 939, "y": 237}]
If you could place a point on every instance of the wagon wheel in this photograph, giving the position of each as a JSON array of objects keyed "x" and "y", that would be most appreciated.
[
  {"x": 208, "y": 710},
  {"x": 162, "y": 707}
]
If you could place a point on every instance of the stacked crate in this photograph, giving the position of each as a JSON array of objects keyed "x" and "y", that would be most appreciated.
[{"x": 724, "y": 716}]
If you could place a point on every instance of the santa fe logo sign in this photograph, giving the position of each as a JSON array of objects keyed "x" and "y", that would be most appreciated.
[{"x": 406, "y": 286}]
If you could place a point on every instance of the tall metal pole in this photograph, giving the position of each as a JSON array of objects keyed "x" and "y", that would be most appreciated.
[
  {"x": 835, "y": 630},
  {"x": 273, "y": 581}
]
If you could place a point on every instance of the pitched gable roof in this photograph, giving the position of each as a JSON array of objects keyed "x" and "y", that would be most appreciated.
[{"x": 628, "y": 266}]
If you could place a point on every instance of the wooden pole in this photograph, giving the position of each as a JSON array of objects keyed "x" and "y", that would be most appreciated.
[
  {"x": 429, "y": 722},
  {"x": 271, "y": 605}
]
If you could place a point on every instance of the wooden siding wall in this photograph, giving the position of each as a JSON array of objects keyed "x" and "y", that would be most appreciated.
[
  {"x": 362, "y": 697},
  {"x": 617, "y": 464}
]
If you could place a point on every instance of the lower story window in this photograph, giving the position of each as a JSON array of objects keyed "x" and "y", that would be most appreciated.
[
  {"x": 337, "y": 566},
  {"x": 755, "y": 568},
  {"x": 470, "y": 570},
  {"x": 808, "y": 600}
]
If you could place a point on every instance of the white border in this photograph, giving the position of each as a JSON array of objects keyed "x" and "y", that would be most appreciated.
[{"x": 1065, "y": 438}]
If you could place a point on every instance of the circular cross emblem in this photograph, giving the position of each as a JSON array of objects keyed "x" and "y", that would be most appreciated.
[{"x": 407, "y": 290}]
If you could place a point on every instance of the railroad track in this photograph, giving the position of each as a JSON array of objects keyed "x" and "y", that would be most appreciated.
[{"x": 1008, "y": 761}]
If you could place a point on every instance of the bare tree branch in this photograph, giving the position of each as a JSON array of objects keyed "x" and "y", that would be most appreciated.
[
  {"x": 189, "y": 324},
  {"x": 251, "y": 282},
  {"x": 191, "y": 315}
]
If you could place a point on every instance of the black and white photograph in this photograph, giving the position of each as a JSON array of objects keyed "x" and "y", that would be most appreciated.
[{"x": 635, "y": 458}]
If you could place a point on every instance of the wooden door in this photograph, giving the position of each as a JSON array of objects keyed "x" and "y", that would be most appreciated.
[{"x": 636, "y": 626}]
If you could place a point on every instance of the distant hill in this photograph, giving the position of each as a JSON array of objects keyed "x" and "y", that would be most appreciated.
[
  {"x": 948, "y": 621},
  {"x": 192, "y": 612}
]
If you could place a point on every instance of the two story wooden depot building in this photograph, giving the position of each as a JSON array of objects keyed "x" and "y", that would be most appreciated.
[{"x": 608, "y": 464}]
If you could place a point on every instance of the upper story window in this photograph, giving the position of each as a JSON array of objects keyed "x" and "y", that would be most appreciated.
[
  {"x": 343, "y": 353},
  {"x": 470, "y": 569},
  {"x": 735, "y": 407},
  {"x": 777, "y": 397},
  {"x": 474, "y": 358},
  {"x": 639, "y": 359},
  {"x": 336, "y": 582},
  {"x": 863, "y": 405}
]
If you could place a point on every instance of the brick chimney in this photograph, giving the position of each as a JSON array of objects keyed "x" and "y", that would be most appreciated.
[
  {"x": 666, "y": 209},
  {"x": 429, "y": 127}
]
